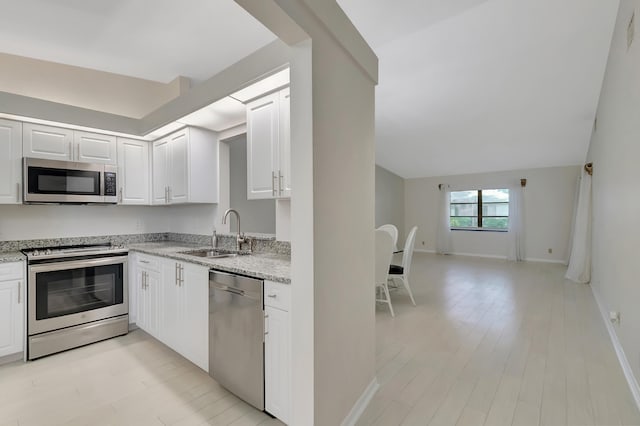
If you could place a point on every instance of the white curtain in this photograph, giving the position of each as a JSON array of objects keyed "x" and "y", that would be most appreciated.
[
  {"x": 516, "y": 223},
  {"x": 443, "y": 236},
  {"x": 579, "y": 269}
]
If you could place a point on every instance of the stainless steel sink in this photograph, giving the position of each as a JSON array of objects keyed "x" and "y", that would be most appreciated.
[{"x": 210, "y": 254}]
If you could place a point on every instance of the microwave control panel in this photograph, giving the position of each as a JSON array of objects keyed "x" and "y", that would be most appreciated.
[{"x": 110, "y": 184}]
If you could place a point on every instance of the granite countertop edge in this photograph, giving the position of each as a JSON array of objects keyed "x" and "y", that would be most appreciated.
[
  {"x": 259, "y": 265},
  {"x": 11, "y": 256}
]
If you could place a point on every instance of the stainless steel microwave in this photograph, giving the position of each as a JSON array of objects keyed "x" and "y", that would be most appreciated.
[{"x": 67, "y": 182}]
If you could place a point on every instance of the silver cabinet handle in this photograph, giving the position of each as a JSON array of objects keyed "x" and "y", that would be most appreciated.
[
  {"x": 142, "y": 280},
  {"x": 78, "y": 149},
  {"x": 181, "y": 275},
  {"x": 280, "y": 182},
  {"x": 146, "y": 280},
  {"x": 266, "y": 324},
  {"x": 273, "y": 183},
  {"x": 177, "y": 274},
  {"x": 17, "y": 191},
  {"x": 144, "y": 261},
  {"x": 19, "y": 292},
  {"x": 120, "y": 200},
  {"x": 272, "y": 295}
]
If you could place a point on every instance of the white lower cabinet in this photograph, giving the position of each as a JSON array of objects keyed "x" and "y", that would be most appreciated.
[
  {"x": 277, "y": 350},
  {"x": 173, "y": 305},
  {"x": 12, "y": 308}
]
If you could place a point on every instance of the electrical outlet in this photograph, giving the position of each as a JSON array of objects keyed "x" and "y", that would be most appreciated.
[
  {"x": 614, "y": 317},
  {"x": 549, "y": 251}
]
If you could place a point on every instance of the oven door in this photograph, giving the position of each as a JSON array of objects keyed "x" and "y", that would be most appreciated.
[
  {"x": 51, "y": 181},
  {"x": 67, "y": 293}
]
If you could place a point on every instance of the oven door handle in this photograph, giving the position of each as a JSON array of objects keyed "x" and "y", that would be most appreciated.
[{"x": 77, "y": 264}]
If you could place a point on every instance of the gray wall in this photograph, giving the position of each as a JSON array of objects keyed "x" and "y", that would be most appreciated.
[
  {"x": 390, "y": 200},
  {"x": 614, "y": 151},
  {"x": 255, "y": 215}
]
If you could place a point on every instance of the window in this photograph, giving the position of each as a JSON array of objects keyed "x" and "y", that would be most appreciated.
[{"x": 485, "y": 209}]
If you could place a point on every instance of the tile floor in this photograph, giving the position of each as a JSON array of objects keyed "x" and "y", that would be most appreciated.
[
  {"x": 496, "y": 343},
  {"x": 490, "y": 343}
]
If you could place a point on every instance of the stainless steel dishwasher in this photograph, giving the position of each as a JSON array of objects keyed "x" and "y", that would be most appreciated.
[{"x": 236, "y": 335}]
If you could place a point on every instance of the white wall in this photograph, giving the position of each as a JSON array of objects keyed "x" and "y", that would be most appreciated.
[
  {"x": 549, "y": 203},
  {"x": 22, "y": 222},
  {"x": 389, "y": 199},
  {"x": 614, "y": 150}
]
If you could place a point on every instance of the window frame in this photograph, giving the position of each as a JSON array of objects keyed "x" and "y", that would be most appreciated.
[{"x": 479, "y": 216}]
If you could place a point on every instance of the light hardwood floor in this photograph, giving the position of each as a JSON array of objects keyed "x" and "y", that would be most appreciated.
[
  {"x": 130, "y": 380},
  {"x": 496, "y": 343}
]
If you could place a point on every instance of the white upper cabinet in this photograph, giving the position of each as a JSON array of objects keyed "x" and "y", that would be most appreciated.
[
  {"x": 262, "y": 144},
  {"x": 57, "y": 143},
  {"x": 50, "y": 143},
  {"x": 268, "y": 147},
  {"x": 10, "y": 162},
  {"x": 185, "y": 167},
  {"x": 94, "y": 148},
  {"x": 133, "y": 172}
]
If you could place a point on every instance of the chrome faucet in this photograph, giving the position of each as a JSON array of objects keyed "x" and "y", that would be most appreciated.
[
  {"x": 214, "y": 239},
  {"x": 239, "y": 237}
]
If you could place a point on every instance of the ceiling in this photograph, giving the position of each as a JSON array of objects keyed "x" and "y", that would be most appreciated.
[
  {"x": 465, "y": 87},
  {"x": 156, "y": 40},
  {"x": 484, "y": 85}
]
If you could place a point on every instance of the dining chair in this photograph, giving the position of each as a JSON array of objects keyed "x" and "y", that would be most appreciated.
[
  {"x": 401, "y": 272},
  {"x": 384, "y": 251},
  {"x": 391, "y": 229}
]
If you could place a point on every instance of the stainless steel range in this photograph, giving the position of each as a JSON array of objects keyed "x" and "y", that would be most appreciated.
[{"x": 76, "y": 296}]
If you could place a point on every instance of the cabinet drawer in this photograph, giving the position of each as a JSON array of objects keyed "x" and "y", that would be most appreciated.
[
  {"x": 148, "y": 262},
  {"x": 277, "y": 295},
  {"x": 11, "y": 271}
]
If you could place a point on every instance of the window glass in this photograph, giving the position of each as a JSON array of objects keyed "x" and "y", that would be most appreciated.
[{"x": 480, "y": 209}]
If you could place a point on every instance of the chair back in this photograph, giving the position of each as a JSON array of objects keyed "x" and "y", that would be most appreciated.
[
  {"x": 391, "y": 229},
  {"x": 408, "y": 250},
  {"x": 384, "y": 251}
]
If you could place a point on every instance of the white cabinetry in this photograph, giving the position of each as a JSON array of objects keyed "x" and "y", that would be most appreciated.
[
  {"x": 147, "y": 281},
  {"x": 173, "y": 304},
  {"x": 185, "y": 311},
  {"x": 133, "y": 172},
  {"x": 268, "y": 147},
  {"x": 185, "y": 168},
  {"x": 277, "y": 350},
  {"x": 57, "y": 143},
  {"x": 12, "y": 308},
  {"x": 10, "y": 162}
]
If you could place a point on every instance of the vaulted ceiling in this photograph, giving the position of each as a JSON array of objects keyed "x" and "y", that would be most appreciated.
[
  {"x": 466, "y": 86},
  {"x": 484, "y": 85}
]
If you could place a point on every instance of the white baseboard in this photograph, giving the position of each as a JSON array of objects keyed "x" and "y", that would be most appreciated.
[
  {"x": 622, "y": 357},
  {"x": 494, "y": 256},
  {"x": 361, "y": 404}
]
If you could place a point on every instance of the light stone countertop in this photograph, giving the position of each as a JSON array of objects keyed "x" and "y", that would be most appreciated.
[
  {"x": 267, "y": 266},
  {"x": 11, "y": 256}
]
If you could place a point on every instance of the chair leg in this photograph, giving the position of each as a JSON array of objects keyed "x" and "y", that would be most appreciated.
[
  {"x": 405, "y": 281},
  {"x": 385, "y": 287}
]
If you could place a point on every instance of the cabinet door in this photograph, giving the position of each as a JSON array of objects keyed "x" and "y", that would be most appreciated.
[
  {"x": 11, "y": 317},
  {"x": 52, "y": 143},
  {"x": 277, "y": 363},
  {"x": 284, "y": 145},
  {"x": 179, "y": 167},
  {"x": 10, "y": 162},
  {"x": 94, "y": 148},
  {"x": 195, "y": 319},
  {"x": 170, "y": 332},
  {"x": 148, "y": 300},
  {"x": 133, "y": 171},
  {"x": 160, "y": 165},
  {"x": 262, "y": 142}
]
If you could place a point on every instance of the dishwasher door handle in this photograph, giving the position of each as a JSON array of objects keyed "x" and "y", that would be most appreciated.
[{"x": 230, "y": 290}]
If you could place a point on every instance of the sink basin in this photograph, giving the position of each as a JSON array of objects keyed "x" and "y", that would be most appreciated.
[{"x": 210, "y": 254}]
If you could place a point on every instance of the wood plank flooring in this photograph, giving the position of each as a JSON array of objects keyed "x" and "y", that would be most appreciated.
[
  {"x": 129, "y": 380},
  {"x": 496, "y": 343}
]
